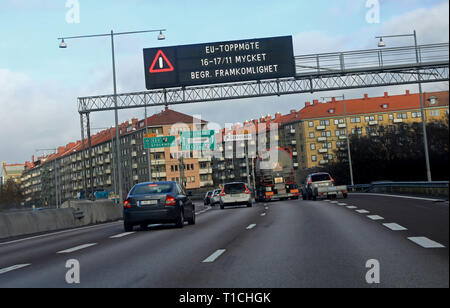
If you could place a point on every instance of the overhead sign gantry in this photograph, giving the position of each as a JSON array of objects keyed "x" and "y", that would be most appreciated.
[{"x": 222, "y": 62}]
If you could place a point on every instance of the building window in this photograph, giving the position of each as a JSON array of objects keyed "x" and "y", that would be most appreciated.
[
  {"x": 313, "y": 146},
  {"x": 435, "y": 113},
  {"x": 311, "y": 135},
  {"x": 311, "y": 124},
  {"x": 380, "y": 118},
  {"x": 402, "y": 115},
  {"x": 355, "y": 120},
  {"x": 314, "y": 158}
]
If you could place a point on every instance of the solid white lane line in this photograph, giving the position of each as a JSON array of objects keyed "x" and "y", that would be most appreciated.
[
  {"x": 214, "y": 256},
  {"x": 395, "y": 227},
  {"x": 351, "y": 207},
  {"x": 62, "y": 232},
  {"x": 375, "y": 217},
  {"x": 77, "y": 248},
  {"x": 122, "y": 235},
  {"x": 362, "y": 211},
  {"x": 12, "y": 268},
  {"x": 251, "y": 226},
  {"x": 425, "y": 242}
]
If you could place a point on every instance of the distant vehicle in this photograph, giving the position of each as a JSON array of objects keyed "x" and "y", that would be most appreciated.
[
  {"x": 322, "y": 185},
  {"x": 207, "y": 199},
  {"x": 235, "y": 194},
  {"x": 157, "y": 202},
  {"x": 274, "y": 176},
  {"x": 215, "y": 198}
]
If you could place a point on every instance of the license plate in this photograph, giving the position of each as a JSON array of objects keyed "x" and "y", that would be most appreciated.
[{"x": 149, "y": 202}]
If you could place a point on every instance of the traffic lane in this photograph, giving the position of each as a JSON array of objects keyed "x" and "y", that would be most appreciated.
[
  {"x": 318, "y": 244},
  {"x": 421, "y": 217},
  {"x": 32, "y": 246},
  {"x": 41, "y": 248},
  {"x": 154, "y": 258}
]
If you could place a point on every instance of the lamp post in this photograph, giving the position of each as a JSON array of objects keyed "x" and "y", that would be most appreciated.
[
  {"x": 63, "y": 45},
  {"x": 349, "y": 153},
  {"x": 382, "y": 44}
]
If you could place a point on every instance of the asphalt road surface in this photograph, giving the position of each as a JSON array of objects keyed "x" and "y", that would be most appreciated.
[{"x": 286, "y": 244}]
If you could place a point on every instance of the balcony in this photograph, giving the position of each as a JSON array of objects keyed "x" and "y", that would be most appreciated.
[
  {"x": 295, "y": 165},
  {"x": 107, "y": 150},
  {"x": 322, "y": 127},
  {"x": 322, "y": 139},
  {"x": 323, "y": 151},
  {"x": 204, "y": 159},
  {"x": 135, "y": 166},
  {"x": 134, "y": 154},
  {"x": 372, "y": 123},
  {"x": 398, "y": 121},
  {"x": 107, "y": 160},
  {"x": 206, "y": 183},
  {"x": 294, "y": 142},
  {"x": 323, "y": 162},
  {"x": 205, "y": 171},
  {"x": 133, "y": 141},
  {"x": 108, "y": 171},
  {"x": 136, "y": 178},
  {"x": 342, "y": 126},
  {"x": 342, "y": 137},
  {"x": 294, "y": 154},
  {"x": 292, "y": 131}
]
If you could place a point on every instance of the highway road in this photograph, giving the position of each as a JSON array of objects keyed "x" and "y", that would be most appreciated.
[{"x": 290, "y": 244}]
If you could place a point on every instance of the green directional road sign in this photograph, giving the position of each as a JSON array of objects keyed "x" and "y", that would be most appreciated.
[
  {"x": 198, "y": 140},
  {"x": 159, "y": 142}
]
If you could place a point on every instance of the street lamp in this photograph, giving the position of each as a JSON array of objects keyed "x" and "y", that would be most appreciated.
[
  {"x": 349, "y": 153},
  {"x": 112, "y": 34},
  {"x": 382, "y": 44}
]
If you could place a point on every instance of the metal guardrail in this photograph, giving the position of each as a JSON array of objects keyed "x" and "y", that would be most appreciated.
[{"x": 371, "y": 186}]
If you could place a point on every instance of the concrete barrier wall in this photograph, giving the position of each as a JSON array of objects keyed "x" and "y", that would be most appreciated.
[
  {"x": 428, "y": 191},
  {"x": 71, "y": 214}
]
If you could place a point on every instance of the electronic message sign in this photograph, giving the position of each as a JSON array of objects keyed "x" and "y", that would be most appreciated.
[{"x": 223, "y": 62}]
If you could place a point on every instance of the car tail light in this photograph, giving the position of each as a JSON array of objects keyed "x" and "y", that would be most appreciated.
[
  {"x": 127, "y": 204},
  {"x": 222, "y": 193},
  {"x": 170, "y": 201},
  {"x": 310, "y": 182},
  {"x": 248, "y": 192},
  {"x": 332, "y": 179}
]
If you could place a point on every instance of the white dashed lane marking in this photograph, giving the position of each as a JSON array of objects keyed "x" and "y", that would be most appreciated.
[
  {"x": 263, "y": 214},
  {"x": 122, "y": 234},
  {"x": 77, "y": 248},
  {"x": 425, "y": 242},
  {"x": 13, "y": 268},
  {"x": 375, "y": 217},
  {"x": 342, "y": 203},
  {"x": 251, "y": 226},
  {"x": 395, "y": 227},
  {"x": 363, "y": 212},
  {"x": 214, "y": 256},
  {"x": 351, "y": 207}
]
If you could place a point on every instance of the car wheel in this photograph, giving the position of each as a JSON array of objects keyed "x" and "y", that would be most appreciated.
[
  {"x": 249, "y": 204},
  {"x": 222, "y": 206},
  {"x": 128, "y": 227},
  {"x": 345, "y": 196},
  {"x": 144, "y": 227},
  {"x": 180, "y": 220},
  {"x": 192, "y": 220}
]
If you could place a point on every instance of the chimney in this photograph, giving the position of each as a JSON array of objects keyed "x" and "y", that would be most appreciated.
[
  {"x": 307, "y": 104},
  {"x": 366, "y": 96},
  {"x": 386, "y": 95},
  {"x": 277, "y": 115},
  {"x": 315, "y": 102},
  {"x": 408, "y": 92},
  {"x": 293, "y": 111},
  {"x": 166, "y": 109},
  {"x": 333, "y": 99}
]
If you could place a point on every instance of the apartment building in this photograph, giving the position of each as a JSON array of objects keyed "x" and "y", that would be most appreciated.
[
  {"x": 61, "y": 176},
  {"x": 324, "y": 125},
  {"x": 11, "y": 171}
]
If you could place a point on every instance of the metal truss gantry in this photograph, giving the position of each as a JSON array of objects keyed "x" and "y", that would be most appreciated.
[{"x": 315, "y": 73}]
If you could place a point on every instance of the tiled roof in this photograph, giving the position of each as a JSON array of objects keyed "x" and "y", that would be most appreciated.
[
  {"x": 170, "y": 117},
  {"x": 369, "y": 105}
]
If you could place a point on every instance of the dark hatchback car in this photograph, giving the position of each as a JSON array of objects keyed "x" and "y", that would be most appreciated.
[{"x": 157, "y": 202}]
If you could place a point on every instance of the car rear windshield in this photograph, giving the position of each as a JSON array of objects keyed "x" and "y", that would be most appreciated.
[
  {"x": 152, "y": 189},
  {"x": 320, "y": 177},
  {"x": 235, "y": 188}
]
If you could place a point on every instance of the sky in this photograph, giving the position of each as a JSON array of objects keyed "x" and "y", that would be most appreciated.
[{"x": 40, "y": 83}]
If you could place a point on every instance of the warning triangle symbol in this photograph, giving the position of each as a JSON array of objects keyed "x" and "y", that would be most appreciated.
[{"x": 161, "y": 64}]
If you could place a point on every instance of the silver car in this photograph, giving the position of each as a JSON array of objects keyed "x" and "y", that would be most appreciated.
[
  {"x": 215, "y": 197},
  {"x": 235, "y": 194}
]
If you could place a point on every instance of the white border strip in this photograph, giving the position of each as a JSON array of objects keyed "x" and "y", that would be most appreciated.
[
  {"x": 214, "y": 256},
  {"x": 12, "y": 268},
  {"x": 395, "y": 196},
  {"x": 77, "y": 248},
  {"x": 425, "y": 242}
]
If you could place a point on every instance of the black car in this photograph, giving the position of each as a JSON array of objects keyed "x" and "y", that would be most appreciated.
[
  {"x": 157, "y": 202},
  {"x": 207, "y": 199}
]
